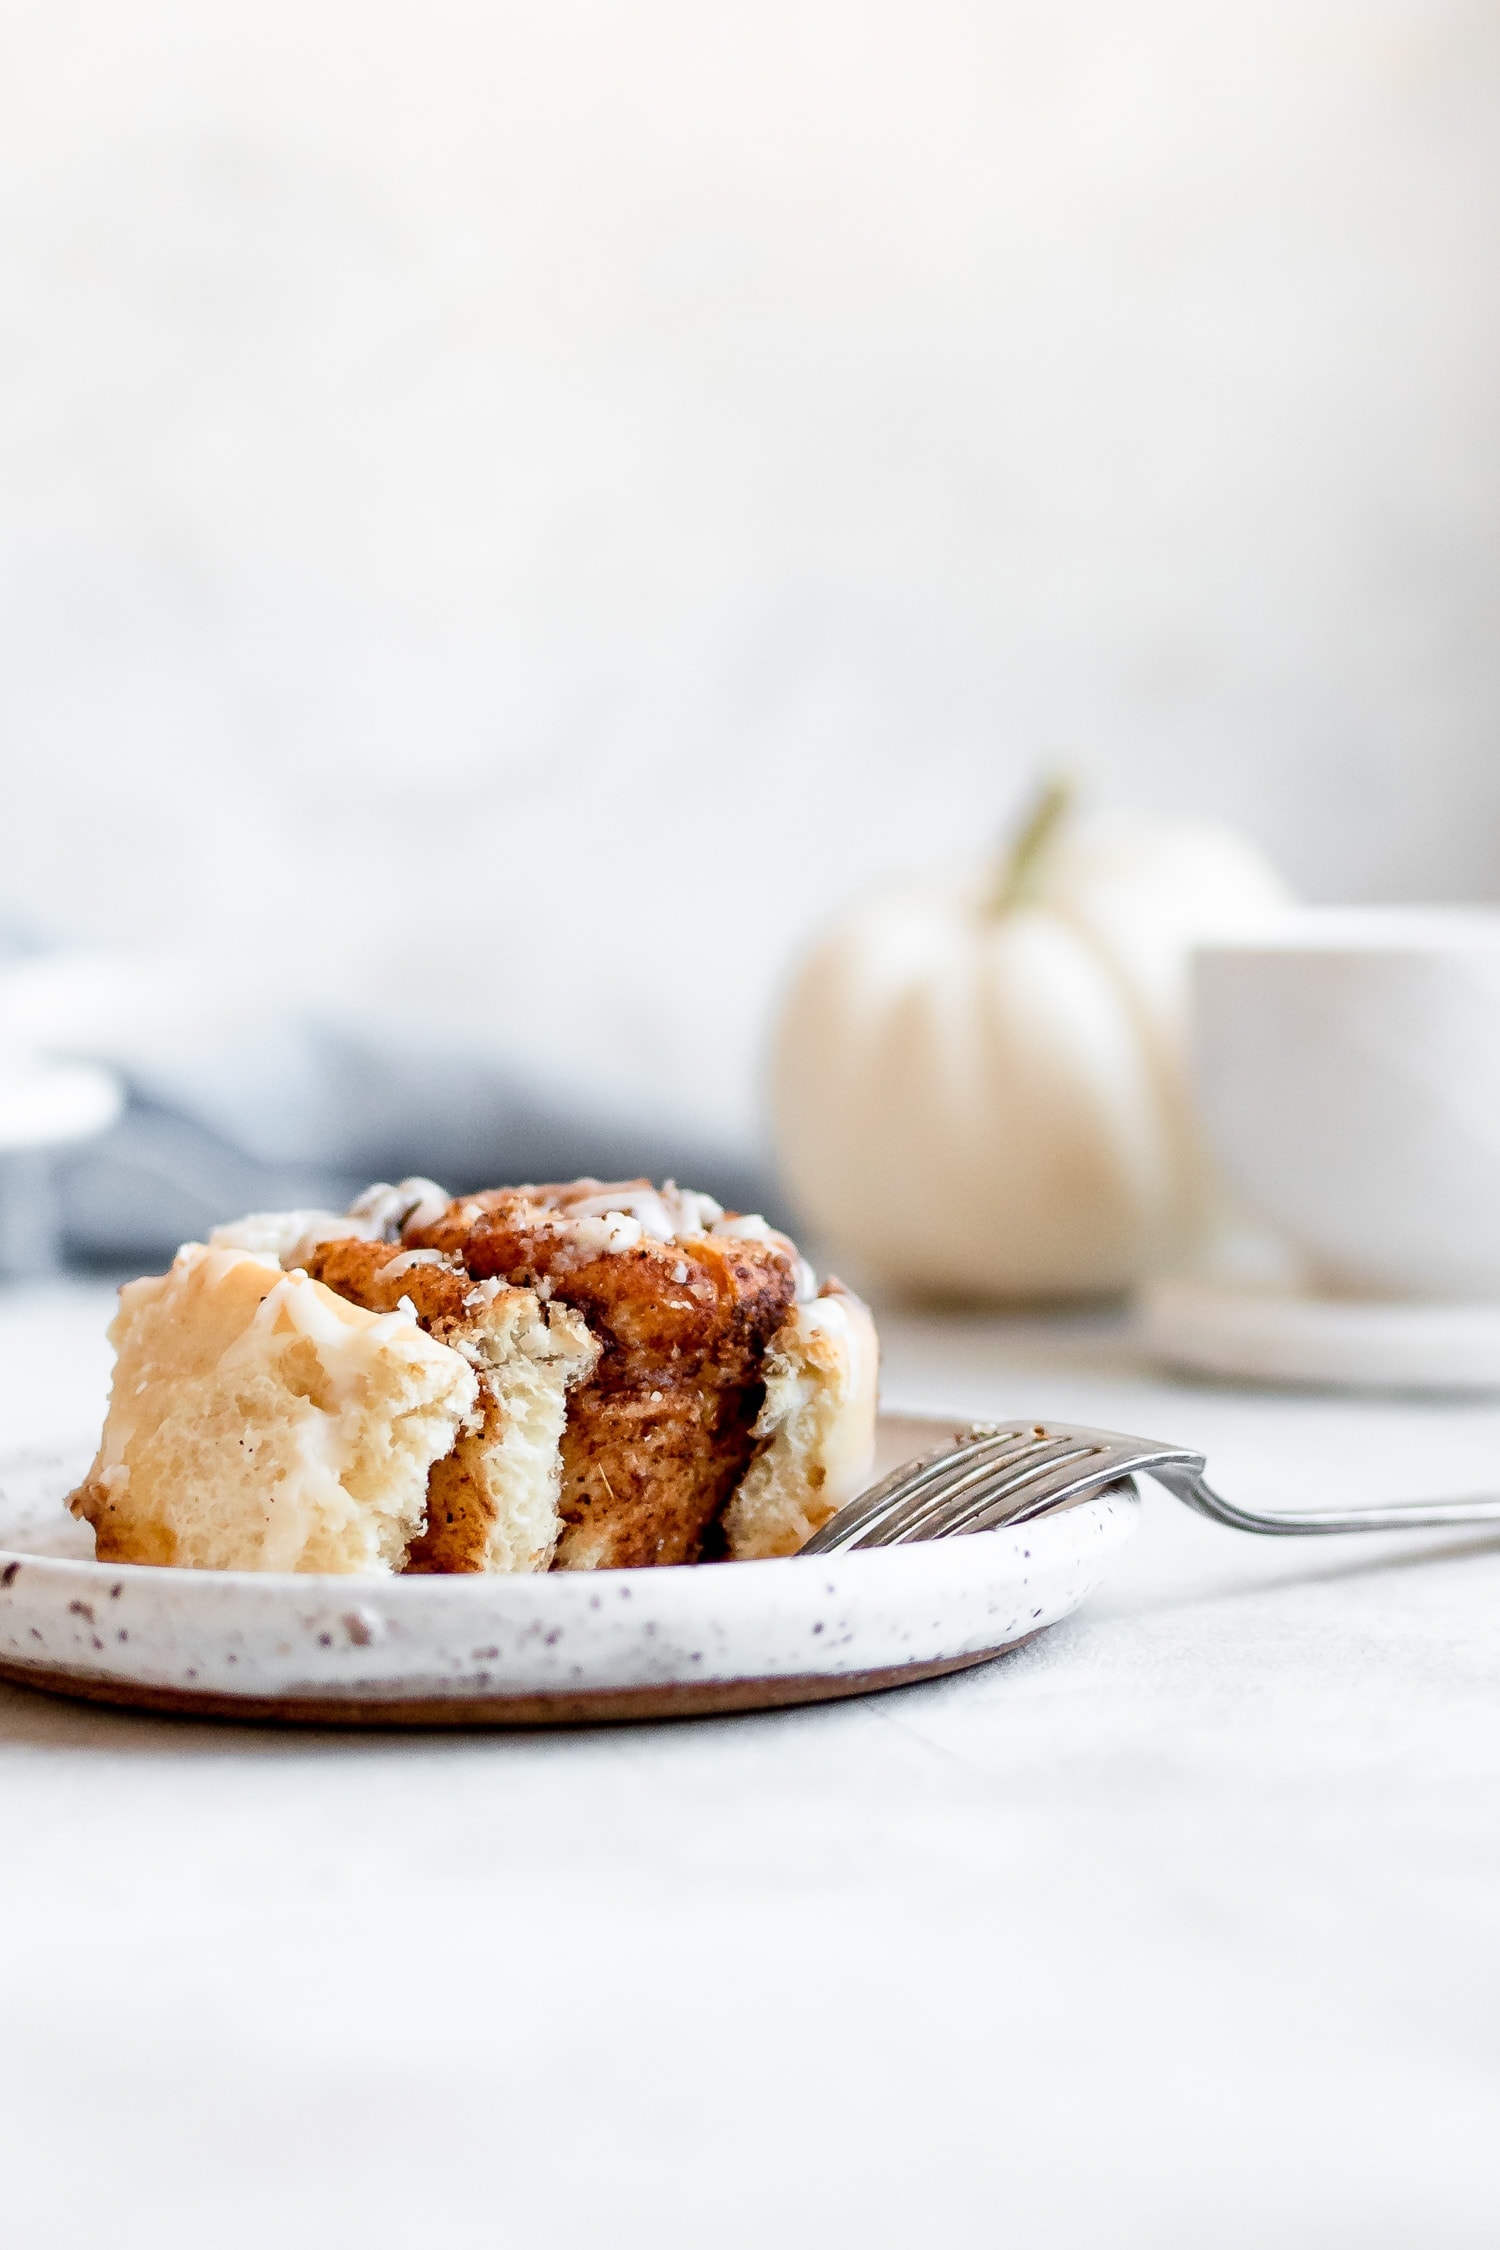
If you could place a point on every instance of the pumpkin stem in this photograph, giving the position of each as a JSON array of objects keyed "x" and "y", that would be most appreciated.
[{"x": 1048, "y": 809}]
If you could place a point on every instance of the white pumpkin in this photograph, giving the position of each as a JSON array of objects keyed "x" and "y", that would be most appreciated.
[{"x": 981, "y": 1087}]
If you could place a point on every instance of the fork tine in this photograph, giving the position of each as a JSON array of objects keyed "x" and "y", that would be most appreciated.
[
  {"x": 909, "y": 1481},
  {"x": 891, "y": 1511},
  {"x": 995, "y": 1476},
  {"x": 1107, "y": 1460},
  {"x": 968, "y": 1480},
  {"x": 1066, "y": 1484}
]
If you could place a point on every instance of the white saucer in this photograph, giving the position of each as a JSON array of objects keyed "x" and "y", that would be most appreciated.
[
  {"x": 529, "y": 1651},
  {"x": 1282, "y": 1336}
]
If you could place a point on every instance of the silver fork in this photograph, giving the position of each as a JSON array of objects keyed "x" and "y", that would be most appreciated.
[{"x": 1003, "y": 1473}]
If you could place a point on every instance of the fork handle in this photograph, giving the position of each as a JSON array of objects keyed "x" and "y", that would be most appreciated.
[{"x": 1189, "y": 1485}]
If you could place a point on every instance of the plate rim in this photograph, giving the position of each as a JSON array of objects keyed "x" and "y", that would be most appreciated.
[{"x": 585, "y": 1708}]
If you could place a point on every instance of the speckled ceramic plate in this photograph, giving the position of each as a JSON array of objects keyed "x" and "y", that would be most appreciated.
[{"x": 557, "y": 1650}]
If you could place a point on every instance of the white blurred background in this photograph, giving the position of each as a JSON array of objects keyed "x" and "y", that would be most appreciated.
[{"x": 509, "y": 516}]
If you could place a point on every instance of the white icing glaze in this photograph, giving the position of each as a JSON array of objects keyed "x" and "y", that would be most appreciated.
[
  {"x": 410, "y": 1258},
  {"x": 692, "y": 1211},
  {"x": 611, "y": 1220},
  {"x": 430, "y": 1205},
  {"x": 749, "y": 1226},
  {"x": 271, "y": 1234},
  {"x": 608, "y": 1231},
  {"x": 643, "y": 1205},
  {"x": 289, "y": 1237},
  {"x": 846, "y": 1443},
  {"x": 200, "y": 1340},
  {"x": 384, "y": 1210},
  {"x": 665, "y": 1213},
  {"x": 746, "y": 1226}
]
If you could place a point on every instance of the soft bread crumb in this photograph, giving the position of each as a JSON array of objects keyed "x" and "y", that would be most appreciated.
[
  {"x": 259, "y": 1422},
  {"x": 493, "y": 1502},
  {"x": 816, "y": 1430},
  {"x": 660, "y": 1434}
]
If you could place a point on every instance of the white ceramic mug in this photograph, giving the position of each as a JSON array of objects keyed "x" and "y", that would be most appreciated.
[{"x": 1348, "y": 1067}]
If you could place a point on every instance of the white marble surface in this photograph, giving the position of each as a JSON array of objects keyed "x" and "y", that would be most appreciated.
[{"x": 1179, "y": 1928}]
